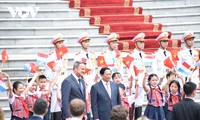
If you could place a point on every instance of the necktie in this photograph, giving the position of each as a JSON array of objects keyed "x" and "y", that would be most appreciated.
[
  {"x": 80, "y": 85},
  {"x": 165, "y": 53},
  {"x": 157, "y": 93},
  {"x": 87, "y": 55},
  {"x": 190, "y": 52},
  {"x": 108, "y": 90},
  {"x": 25, "y": 106},
  {"x": 140, "y": 55},
  {"x": 174, "y": 99}
]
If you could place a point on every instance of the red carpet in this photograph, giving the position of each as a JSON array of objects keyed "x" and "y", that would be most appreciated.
[
  {"x": 119, "y": 10},
  {"x": 121, "y": 17},
  {"x": 99, "y": 3},
  {"x": 148, "y": 34},
  {"x": 118, "y": 27},
  {"x": 103, "y": 19},
  {"x": 149, "y": 43}
]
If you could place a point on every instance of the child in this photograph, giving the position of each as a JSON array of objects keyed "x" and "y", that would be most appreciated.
[
  {"x": 32, "y": 96},
  {"x": 124, "y": 99},
  {"x": 42, "y": 82},
  {"x": 17, "y": 99},
  {"x": 116, "y": 77},
  {"x": 169, "y": 76},
  {"x": 154, "y": 109},
  {"x": 173, "y": 95}
]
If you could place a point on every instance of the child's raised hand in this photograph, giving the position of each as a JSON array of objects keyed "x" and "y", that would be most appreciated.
[
  {"x": 131, "y": 78},
  {"x": 5, "y": 74}
]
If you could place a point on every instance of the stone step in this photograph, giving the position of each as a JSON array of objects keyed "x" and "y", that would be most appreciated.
[
  {"x": 170, "y": 10},
  {"x": 47, "y": 13},
  {"x": 148, "y": 3},
  {"x": 41, "y": 4},
  {"x": 42, "y": 31},
  {"x": 34, "y": 49},
  {"x": 181, "y": 26},
  {"x": 42, "y": 40},
  {"x": 180, "y": 33},
  {"x": 177, "y": 18},
  {"x": 45, "y": 22}
]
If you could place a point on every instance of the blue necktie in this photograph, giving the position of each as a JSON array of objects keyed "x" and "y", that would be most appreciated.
[{"x": 80, "y": 85}]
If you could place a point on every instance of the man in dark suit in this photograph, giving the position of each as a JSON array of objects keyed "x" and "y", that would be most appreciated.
[
  {"x": 73, "y": 87},
  {"x": 40, "y": 108},
  {"x": 187, "y": 109},
  {"x": 104, "y": 96}
]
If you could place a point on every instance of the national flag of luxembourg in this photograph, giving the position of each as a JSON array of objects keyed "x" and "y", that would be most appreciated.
[
  {"x": 184, "y": 69},
  {"x": 2, "y": 85},
  {"x": 41, "y": 59},
  {"x": 197, "y": 63}
]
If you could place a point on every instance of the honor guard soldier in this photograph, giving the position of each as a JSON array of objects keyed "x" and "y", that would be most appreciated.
[
  {"x": 161, "y": 55},
  {"x": 89, "y": 58},
  {"x": 138, "y": 62},
  {"x": 190, "y": 56},
  {"x": 60, "y": 71},
  {"x": 112, "y": 55}
]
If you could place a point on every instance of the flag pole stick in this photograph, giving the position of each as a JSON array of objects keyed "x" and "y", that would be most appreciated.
[{"x": 1, "y": 67}]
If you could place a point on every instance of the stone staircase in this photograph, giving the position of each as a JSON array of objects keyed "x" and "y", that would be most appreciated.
[{"x": 24, "y": 38}]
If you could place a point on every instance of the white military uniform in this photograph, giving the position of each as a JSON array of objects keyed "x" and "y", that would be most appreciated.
[
  {"x": 139, "y": 57},
  {"x": 62, "y": 63},
  {"x": 112, "y": 59},
  {"x": 189, "y": 56},
  {"x": 113, "y": 62},
  {"x": 185, "y": 56},
  {"x": 138, "y": 62},
  {"x": 90, "y": 64},
  {"x": 158, "y": 66}
]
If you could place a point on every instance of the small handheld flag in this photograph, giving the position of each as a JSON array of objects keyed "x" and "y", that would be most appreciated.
[
  {"x": 184, "y": 69},
  {"x": 31, "y": 67},
  {"x": 52, "y": 65},
  {"x": 61, "y": 51},
  {"x": 168, "y": 63},
  {"x": 2, "y": 85},
  {"x": 4, "y": 56},
  {"x": 127, "y": 61},
  {"x": 41, "y": 59},
  {"x": 101, "y": 61}
]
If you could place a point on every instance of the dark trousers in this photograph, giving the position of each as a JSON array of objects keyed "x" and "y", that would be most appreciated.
[
  {"x": 138, "y": 112},
  {"x": 56, "y": 116}
]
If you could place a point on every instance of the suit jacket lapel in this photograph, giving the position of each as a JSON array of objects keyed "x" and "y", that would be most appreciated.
[
  {"x": 75, "y": 81},
  {"x": 104, "y": 89}
]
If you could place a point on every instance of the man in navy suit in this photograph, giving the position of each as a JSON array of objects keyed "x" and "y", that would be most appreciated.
[
  {"x": 104, "y": 96},
  {"x": 73, "y": 87},
  {"x": 187, "y": 109},
  {"x": 40, "y": 108}
]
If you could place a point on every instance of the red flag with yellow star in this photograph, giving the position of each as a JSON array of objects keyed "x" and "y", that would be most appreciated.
[
  {"x": 101, "y": 61},
  {"x": 87, "y": 71},
  {"x": 168, "y": 63},
  {"x": 52, "y": 65},
  {"x": 127, "y": 61},
  {"x": 61, "y": 51},
  {"x": 4, "y": 56},
  {"x": 136, "y": 70},
  {"x": 174, "y": 56}
]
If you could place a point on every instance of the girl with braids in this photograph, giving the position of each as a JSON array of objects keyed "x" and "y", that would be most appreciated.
[
  {"x": 154, "y": 109},
  {"x": 174, "y": 96}
]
